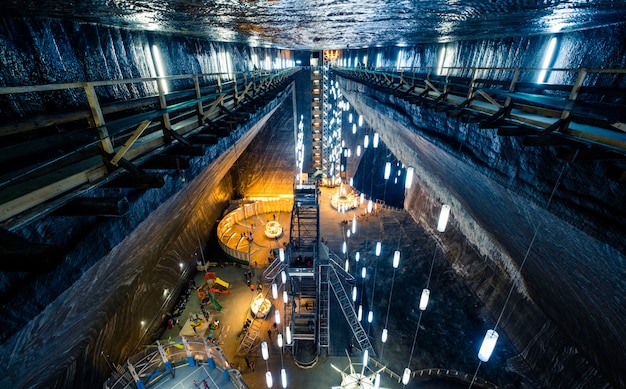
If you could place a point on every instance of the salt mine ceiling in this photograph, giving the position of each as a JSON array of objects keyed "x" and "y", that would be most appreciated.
[{"x": 333, "y": 24}]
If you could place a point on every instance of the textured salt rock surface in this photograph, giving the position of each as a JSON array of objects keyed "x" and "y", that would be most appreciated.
[
  {"x": 500, "y": 223},
  {"x": 333, "y": 24}
]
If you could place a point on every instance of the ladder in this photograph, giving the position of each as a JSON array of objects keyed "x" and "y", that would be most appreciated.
[
  {"x": 348, "y": 311},
  {"x": 249, "y": 337},
  {"x": 323, "y": 304}
]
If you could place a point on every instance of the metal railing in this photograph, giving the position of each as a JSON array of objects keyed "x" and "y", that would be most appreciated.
[
  {"x": 48, "y": 155},
  {"x": 581, "y": 108}
]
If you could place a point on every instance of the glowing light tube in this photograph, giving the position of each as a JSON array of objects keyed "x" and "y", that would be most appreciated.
[
  {"x": 443, "y": 218},
  {"x": 409, "y": 178},
  {"x": 489, "y": 343},
  {"x": 424, "y": 299}
]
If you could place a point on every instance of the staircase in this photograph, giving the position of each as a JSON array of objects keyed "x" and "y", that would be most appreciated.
[
  {"x": 249, "y": 337},
  {"x": 323, "y": 304},
  {"x": 273, "y": 270},
  {"x": 348, "y": 311}
]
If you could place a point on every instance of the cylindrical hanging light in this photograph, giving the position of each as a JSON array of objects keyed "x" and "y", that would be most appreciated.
[
  {"x": 283, "y": 378},
  {"x": 357, "y": 256},
  {"x": 279, "y": 340},
  {"x": 378, "y": 248},
  {"x": 366, "y": 355},
  {"x": 264, "y": 351},
  {"x": 366, "y": 141},
  {"x": 347, "y": 265},
  {"x": 285, "y": 297},
  {"x": 406, "y": 376},
  {"x": 358, "y": 150},
  {"x": 283, "y": 277},
  {"x": 362, "y": 198},
  {"x": 363, "y": 272},
  {"x": 348, "y": 233},
  {"x": 396, "y": 259},
  {"x": 375, "y": 142},
  {"x": 281, "y": 254},
  {"x": 370, "y": 316},
  {"x": 354, "y": 224},
  {"x": 274, "y": 291},
  {"x": 443, "y": 218},
  {"x": 354, "y": 293},
  {"x": 277, "y": 316},
  {"x": 268, "y": 379},
  {"x": 288, "y": 335},
  {"x": 350, "y": 118},
  {"x": 370, "y": 206},
  {"x": 384, "y": 336},
  {"x": 354, "y": 128},
  {"x": 387, "y": 170},
  {"x": 409, "y": 178},
  {"x": 359, "y": 314},
  {"x": 360, "y": 120},
  {"x": 344, "y": 247},
  {"x": 424, "y": 299},
  {"x": 377, "y": 381},
  {"x": 489, "y": 343}
]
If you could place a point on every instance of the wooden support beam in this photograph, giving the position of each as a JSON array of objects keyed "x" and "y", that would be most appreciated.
[
  {"x": 179, "y": 137},
  {"x": 129, "y": 142},
  {"x": 192, "y": 151},
  {"x": 137, "y": 181},
  {"x": 21, "y": 255},
  {"x": 548, "y": 140},
  {"x": 211, "y": 109},
  {"x": 94, "y": 206},
  {"x": 166, "y": 162},
  {"x": 513, "y": 130},
  {"x": 204, "y": 139},
  {"x": 212, "y": 128},
  {"x": 489, "y": 98}
]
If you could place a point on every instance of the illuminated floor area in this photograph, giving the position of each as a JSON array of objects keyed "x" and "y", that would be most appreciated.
[{"x": 235, "y": 309}]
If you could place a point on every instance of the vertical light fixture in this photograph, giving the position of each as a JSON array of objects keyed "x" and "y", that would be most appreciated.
[
  {"x": 158, "y": 62},
  {"x": 443, "y": 218},
  {"x": 378, "y": 248},
  {"x": 409, "y": 178},
  {"x": 387, "y": 170},
  {"x": 489, "y": 343},
  {"x": 376, "y": 139},
  {"x": 547, "y": 60}
]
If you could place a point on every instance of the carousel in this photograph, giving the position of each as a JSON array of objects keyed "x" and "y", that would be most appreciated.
[
  {"x": 260, "y": 306},
  {"x": 273, "y": 230}
]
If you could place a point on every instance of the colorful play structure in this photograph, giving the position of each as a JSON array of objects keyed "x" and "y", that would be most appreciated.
[{"x": 212, "y": 284}]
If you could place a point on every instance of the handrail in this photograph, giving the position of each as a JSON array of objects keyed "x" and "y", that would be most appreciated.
[
  {"x": 574, "y": 111},
  {"x": 171, "y": 116}
]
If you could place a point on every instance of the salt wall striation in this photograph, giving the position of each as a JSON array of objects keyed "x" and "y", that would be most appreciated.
[
  {"x": 58, "y": 327},
  {"x": 567, "y": 310}
]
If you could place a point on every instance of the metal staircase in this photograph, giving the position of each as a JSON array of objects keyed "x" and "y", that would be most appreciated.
[
  {"x": 348, "y": 310},
  {"x": 249, "y": 337},
  {"x": 323, "y": 305},
  {"x": 273, "y": 270}
]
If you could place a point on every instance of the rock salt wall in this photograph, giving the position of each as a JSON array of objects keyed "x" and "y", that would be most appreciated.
[{"x": 567, "y": 306}]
